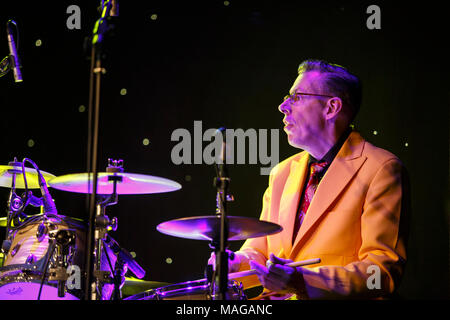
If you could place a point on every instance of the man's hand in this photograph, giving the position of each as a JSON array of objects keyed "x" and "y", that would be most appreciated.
[{"x": 278, "y": 277}]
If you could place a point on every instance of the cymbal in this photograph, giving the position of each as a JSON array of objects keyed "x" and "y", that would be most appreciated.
[
  {"x": 3, "y": 221},
  {"x": 134, "y": 286},
  {"x": 131, "y": 183},
  {"x": 6, "y": 174},
  {"x": 207, "y": 227}
]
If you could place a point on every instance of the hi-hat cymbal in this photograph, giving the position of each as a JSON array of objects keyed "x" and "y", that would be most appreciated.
[
  {"x": 207, "y": 228},
  {"x": 7, "y": 172},
  {"x": 131, "y": 183},
  {"x": 134, "y": 286}
]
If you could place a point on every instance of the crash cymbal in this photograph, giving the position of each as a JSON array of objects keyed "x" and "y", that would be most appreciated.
[
  {"x": 207, "y": 227},
  {"x": 134, "y": 286},
  {"x": 3, "y": 221},
  {"x": 6, "y": 174},
  {"x": 131, "y": 183}
]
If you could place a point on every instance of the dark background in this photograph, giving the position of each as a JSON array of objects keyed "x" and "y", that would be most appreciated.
[{"x": 227, "y": 66}]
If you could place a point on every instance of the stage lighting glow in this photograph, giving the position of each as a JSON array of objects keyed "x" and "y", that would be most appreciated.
[{"x": 30, "y": 143}]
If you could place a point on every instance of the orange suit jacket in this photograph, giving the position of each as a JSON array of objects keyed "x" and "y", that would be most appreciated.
[{"x": 352, "y": 224}]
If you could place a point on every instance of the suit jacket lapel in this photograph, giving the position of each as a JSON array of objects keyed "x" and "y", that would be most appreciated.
[
  {"x": 290, "y": 198},
  {"x": 341, "y": 171}
]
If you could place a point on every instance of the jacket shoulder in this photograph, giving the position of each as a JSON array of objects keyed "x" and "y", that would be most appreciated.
[
  {"x": 285, "y": 165},
  {"x": 377, "y": 155}
]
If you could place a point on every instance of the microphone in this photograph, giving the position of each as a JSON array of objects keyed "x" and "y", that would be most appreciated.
[
  {"x": 223, "y": 172},
  {"x": 125, "y": 256},
  {"x": 114, "y": 8},
  {"x": 33, "y": 200},
  {"x": 13, "y": 53},
  {"x": 47, "y": 201}
]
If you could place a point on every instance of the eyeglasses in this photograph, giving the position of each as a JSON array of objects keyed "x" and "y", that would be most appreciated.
[{"x": 295, "y": 97}]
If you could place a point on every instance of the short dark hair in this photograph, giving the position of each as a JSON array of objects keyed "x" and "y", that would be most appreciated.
[{"x": 338, "y": 81}]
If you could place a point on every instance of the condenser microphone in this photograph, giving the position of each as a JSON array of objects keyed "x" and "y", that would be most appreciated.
[
  {"x": 222, "y": 166},
  {"x": 14, "y": 58}
]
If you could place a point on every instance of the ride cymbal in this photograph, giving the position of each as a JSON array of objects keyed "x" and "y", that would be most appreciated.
[
  {"x": 31, "y": 175},
  {"x": 207, "y": 228},
  {"x": 129, "y": 183}
]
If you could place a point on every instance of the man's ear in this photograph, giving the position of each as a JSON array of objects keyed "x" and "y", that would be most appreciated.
[{"x": 333, "y": 107}]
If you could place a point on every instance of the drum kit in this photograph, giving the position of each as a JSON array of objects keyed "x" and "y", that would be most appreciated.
[{"x": 43, "y": 256}]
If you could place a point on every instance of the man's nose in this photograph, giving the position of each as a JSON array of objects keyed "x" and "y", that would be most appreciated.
[{"x": 285, "y": 107}]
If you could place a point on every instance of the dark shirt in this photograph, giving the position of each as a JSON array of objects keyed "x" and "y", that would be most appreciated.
[{"x": 329, "y": 156}]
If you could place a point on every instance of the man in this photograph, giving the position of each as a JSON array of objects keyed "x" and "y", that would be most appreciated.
[{"x": 342, "y": 200}]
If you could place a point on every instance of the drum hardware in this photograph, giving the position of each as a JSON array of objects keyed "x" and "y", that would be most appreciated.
[
  {"x": 109, "y": 185},
  {"x": 15, "y": 203},
  {"x": 63, "y": 241},
  {"x": 219, "y": 243},
  {"x": 119, "y": 278},
  {"x": 126, "y": 257},
  {"x": 18, "y": 176},
  {"x": 103, "y": 224}
]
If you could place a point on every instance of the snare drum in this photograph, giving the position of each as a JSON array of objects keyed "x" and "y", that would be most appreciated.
[
  {"x": 191, "y": 290},
  {"x": 21, "y": 274}
]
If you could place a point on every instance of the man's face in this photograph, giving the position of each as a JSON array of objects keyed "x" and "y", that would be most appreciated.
[{"x": 304, "y": 119}]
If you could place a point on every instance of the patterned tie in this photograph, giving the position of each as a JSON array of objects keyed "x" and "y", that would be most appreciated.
[{"x": 313, "y": 182}]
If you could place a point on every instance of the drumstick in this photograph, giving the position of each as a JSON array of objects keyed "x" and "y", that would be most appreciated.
[{"x": 253, "y": 271}]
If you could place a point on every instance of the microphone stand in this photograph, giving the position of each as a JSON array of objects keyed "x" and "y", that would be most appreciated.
[
  {"x": 101, "y": 28},
  {"x": 220, "y": 243},
  {"x": 15, "y": 204}
]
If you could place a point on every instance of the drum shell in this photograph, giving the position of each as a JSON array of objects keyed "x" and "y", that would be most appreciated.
[
  {"x": 25, "y": 242},
  {"x": 20, "y": 278}
]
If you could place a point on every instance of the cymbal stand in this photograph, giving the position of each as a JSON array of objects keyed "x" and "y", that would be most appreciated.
[
  {"x": 102, "y": 225},
  {"x": 102, "y": 27},
  {"x": 219, "y": 285}
]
